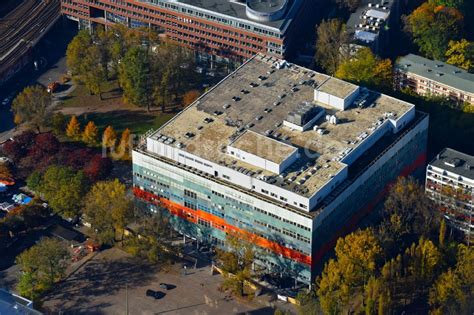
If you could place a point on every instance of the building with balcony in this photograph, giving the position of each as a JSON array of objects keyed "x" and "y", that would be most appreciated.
[
  {"x": 226, "y": 28},
  {"x": 430, "y": 77},
  {"x": 293, "y": 157},
  {"x": 450, "y": 183}
]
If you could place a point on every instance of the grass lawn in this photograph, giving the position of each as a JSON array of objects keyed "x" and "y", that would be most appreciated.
[
  {"x": 81, "y": 97},
  {"x": 137, "y": 121},
  {"x": 111, "y": 110}
]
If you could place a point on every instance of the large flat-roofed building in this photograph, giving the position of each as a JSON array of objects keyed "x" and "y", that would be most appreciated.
[
  {"x": 450, "y": 183},
  {"x": 431, "y": 77},
  {"x": 292, "y": 156},
  {"x": 228, "y": 28}
]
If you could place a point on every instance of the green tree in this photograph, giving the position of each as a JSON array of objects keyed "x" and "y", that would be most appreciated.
[
  {"x": 92, "y": 71},
  {"x": 461, "y": 54},
  {"x": 104, "y": 40},
  {"x": 41, "y": 266},
  {"x": 367, "y": 69},
  {"x": 77, "y": 52},
  {"x": 31, "y": 106},
  {"x": 134, "y": 77},
  {"x": 108, "y": 210},
  {"x": 64, "y": 190},
  {"x": 236, "y": 261},
  {"x": 34, "y": 181},
  {"x": 58, "y": 123},
  {"x": 432, "y": 27},
  {"x": 332, "y": 45}
]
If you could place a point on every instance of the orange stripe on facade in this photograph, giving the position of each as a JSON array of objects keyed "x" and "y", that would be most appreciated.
[{"x": 221, "y": 224}]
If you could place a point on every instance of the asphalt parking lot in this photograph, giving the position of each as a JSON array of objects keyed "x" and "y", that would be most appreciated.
[{"x": 101, "y": 286}]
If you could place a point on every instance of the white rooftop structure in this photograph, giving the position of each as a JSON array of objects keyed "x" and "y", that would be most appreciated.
[{"x": 240, "y": 131}]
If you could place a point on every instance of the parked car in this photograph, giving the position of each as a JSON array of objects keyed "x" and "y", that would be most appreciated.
[
  {"x": 155, "y": 294},
  {"x": 165, "y": 286},
  {"x": 8, "y": 99}
]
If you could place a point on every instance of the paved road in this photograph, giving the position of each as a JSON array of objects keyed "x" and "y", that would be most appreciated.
[{"x": 50, "y": 54}]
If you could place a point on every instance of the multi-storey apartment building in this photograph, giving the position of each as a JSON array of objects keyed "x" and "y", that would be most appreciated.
[
  {"x": 431, "y": 77},
  {"x": 227, "y": 28},
  {"x": 450, "y": 183},
  {"x": 293, "y": 157}
]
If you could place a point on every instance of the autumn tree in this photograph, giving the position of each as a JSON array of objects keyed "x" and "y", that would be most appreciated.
[
  {"x": 236, "y": 261},
  {"x": 42, "y": 265},
  {"x": 332, "y": 45},
  {"x": 134, "y": 77},
  {"x": 124, "y": 146},
  {"x": 190, "y": 96},
  {"x": 64, "y": 190},
  {"x": 453, "y": 291},
  {"x": 356, "y": 260},
  {"x": 108, "y": 209},
  {"x": 73, "y": 129},
  {"x": 109, "y": 137},
  {"x": 461, "y": 54},
  {"x": 5, "y": 173},
  {"x": 97, "y": 168},
  {"x": 90, "y": 133},
  {"x": 31, "y": 106},
  {"x": 407, "y": 215},
  {"x": 367, "y": 69},
  {"x": 432, "y": 26}
]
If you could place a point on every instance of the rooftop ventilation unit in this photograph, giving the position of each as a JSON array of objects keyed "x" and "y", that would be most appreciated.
[{"x": 454, "y": 162}]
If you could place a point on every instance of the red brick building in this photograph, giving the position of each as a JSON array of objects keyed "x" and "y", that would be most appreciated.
[{"x": 235, "y": 29}]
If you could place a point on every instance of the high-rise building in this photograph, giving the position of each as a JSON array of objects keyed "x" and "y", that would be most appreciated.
[
  {"x": 450, "y": 183},
  {"x": 227, "y": 28},
  {"x": 431, "y": 77},
  {"x": 291, "y": 156}
]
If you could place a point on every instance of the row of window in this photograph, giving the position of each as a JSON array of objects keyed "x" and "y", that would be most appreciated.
[{"x": 282, "y": 219}]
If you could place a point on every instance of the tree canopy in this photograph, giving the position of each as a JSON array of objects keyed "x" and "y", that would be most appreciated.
[
  {"x": 432, "y": 26},
  {"x": 108, "y": 210},
  {"x": 31, "y": 106},
  {"x": 367, "y": 69},
  {"x": 332, "y": 45},
  {"x": 64, "y": 189},
  {"x": 41, "y": 266},
  {"x": 461, "y": 54}
]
